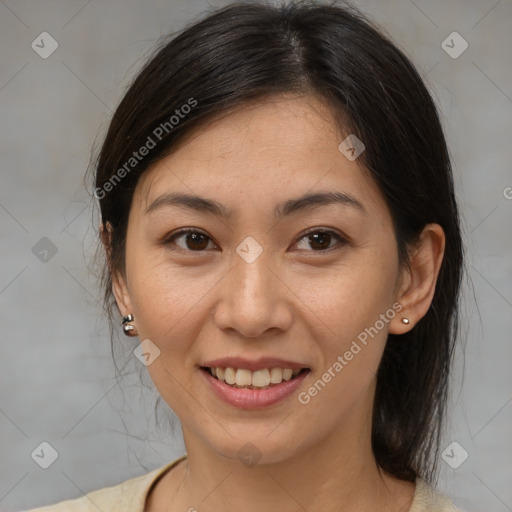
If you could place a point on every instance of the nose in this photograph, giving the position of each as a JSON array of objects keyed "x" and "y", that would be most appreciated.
[{"x": 254, "y": 299}]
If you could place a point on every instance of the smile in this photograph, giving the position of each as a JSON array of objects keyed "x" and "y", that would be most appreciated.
[
  {"x": 259, "y": 379},
  {"x": 253, "y": 389}
]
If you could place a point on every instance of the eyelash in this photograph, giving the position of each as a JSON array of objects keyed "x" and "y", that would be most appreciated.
[{"x": 343, "y": 241}]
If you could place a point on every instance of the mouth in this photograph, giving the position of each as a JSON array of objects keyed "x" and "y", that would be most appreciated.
[{"x": 263, "y": 378}]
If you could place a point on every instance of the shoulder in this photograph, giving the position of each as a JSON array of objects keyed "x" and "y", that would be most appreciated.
[
  {"x": 129, "y": 496},
  {"x": 426, "y": 499}
]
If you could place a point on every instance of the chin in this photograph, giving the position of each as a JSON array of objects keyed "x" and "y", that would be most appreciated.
[{"x": 251, "y": 448}]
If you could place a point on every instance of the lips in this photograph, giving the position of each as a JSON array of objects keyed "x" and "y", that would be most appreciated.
[
  {"x": 261, "y": 373},
  {"x": 253, "y": 384}
]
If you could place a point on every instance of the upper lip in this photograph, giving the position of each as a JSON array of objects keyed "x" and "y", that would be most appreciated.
[{"x": 253, "y": 365}]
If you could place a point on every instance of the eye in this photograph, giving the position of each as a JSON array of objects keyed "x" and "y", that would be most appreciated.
[
  {"x": 194, "y": 240},
  {"x": 321, "y": 238}
]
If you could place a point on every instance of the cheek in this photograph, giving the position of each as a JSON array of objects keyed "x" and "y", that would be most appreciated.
[
  {"x": 160, "y": 296},
  {"x": 168, "y": 299},
  {"x": 354, "y": 307},
  {"x": 167, "y": 303},
  {"x": 350, "y": 296}
]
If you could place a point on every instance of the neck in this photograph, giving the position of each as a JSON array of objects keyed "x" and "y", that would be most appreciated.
[{"x": 313, "y": 480}]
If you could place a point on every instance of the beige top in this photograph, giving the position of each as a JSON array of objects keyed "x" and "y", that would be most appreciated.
[{"x": 130, "y": 496}]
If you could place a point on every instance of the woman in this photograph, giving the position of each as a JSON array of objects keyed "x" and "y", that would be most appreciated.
[{"x": 281, "y": 234}]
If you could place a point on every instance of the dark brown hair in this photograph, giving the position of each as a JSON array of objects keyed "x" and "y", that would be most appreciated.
[{"x": 251, "y": 51}]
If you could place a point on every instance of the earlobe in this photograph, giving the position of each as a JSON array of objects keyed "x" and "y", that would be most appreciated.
[{"x": 419, "y": 283}]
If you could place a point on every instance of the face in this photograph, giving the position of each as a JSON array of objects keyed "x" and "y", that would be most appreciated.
[{"x": 271, "y": 284}]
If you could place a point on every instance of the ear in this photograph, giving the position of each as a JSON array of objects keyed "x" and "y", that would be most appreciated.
[
  {"x": 418, "y": 283},
  {"x": 119, "y": 287}
]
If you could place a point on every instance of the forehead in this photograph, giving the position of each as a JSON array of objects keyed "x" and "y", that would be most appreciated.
[{"x": 262, "y": 153}]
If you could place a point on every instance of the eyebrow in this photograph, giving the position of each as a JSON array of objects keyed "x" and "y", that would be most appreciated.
[{"x": 284, "y": 209}]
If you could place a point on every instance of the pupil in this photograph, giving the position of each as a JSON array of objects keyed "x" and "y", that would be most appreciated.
[
  {"x": 195, "y": 237},
  {"x": 322, "y": 236}
]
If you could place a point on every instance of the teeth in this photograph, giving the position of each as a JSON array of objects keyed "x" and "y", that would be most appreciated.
[
  {"x": 276, "y": 375},
  {"x": 260, "y": 378},
  {"x": 287, "y": 374},
  {"x": 241, "y": 377},
  {"x": 230, "y": 376}
]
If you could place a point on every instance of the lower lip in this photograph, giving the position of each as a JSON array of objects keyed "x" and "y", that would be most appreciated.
[{"x": 254, "y": 398}]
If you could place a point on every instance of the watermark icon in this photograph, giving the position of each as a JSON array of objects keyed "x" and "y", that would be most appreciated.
[
  {"x": 146, "y": 352},
  {"x": 44, "y": 455},
  {"x": 454, "y": 455},
  {"x": 305, "y": 397},
  {"x": 507, "y": 192},
  {"x": 454, "y": 45},
  {"x": 249, "y": 455},
  {"x": 44, "y": 250},
  {"x": 156, "y": 136},
  {"x": 249, "y": 250},
  {"x": 351, "y": 147},
  {"x": 44, "y": 45}
]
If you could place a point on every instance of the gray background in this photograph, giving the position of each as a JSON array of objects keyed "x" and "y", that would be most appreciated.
[{"x": 57, "y": 375}]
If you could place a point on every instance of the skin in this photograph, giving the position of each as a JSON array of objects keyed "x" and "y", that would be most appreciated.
[{"x": 294, "y": 302}]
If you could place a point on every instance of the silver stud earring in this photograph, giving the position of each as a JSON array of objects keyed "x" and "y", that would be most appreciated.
[
  {"x": 405, "y": 320},
  {"x": 128, "y": 328}
]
